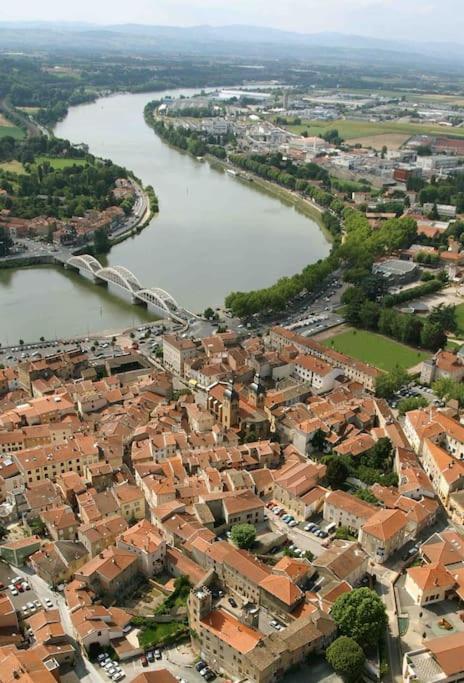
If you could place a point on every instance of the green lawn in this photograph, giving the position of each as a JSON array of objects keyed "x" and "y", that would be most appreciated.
[
  {"x": 157, "y": 633},
  {"x": 358, "y": 129},
  {"x": 14, "y": 131},
  {"x": 58, "y": 162},
  {"x": 376, "y": 350},
  {"x": 460, "y": 320}
]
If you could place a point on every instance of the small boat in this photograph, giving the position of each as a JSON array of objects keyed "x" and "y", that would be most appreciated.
[{"x": 231, "y": 171}]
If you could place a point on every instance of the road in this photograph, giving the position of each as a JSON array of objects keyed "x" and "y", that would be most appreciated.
[{"x": 85, "y": 670}]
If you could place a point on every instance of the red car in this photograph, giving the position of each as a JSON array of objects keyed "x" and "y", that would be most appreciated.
[{"x": 144, "y": 661}]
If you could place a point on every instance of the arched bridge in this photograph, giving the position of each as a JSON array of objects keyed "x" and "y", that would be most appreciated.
[{"x": 155, "y": 298}]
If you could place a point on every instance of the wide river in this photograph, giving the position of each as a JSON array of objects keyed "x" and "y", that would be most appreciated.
[{"x": 213, "y": 234}]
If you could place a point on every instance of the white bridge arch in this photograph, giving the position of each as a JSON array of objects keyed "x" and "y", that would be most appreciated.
[
  {"x": 156, "y": 298},
  {"x": 85, "y": 262},
  {"x": 121, "y": 276}
]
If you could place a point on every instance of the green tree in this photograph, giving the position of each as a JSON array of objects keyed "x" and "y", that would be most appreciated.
[
  {"x": 411, "y": 403},
  {"x": 243, "y": 535},
  {"x": 360, "y": 615},
  {"x": 318, "y": 441},
  {"x": 336, "y": 472},
  {"x": 433, "y": 336},
  {"x": 209, "y": 313},
  {"x": 346, "y": 658},
  {"x": 389, "y": 382},
  {"x": 101, "y": 241},
  {"x": 380, "y": 455}
]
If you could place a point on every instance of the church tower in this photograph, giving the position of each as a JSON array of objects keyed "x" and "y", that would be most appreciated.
[{"x": 230, "y": 410}]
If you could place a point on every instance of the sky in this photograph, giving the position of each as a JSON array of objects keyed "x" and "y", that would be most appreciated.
[{"x": 417, "y": 20}]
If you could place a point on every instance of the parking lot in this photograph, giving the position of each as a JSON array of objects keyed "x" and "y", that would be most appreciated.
[
  {"x": 299, "y": 537},
  {"x": 26, "y": 602}
]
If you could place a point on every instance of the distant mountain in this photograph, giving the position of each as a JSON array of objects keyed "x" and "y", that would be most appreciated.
[{"x": 237, "y": 40}]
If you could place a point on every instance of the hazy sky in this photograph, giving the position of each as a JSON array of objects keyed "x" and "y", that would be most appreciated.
[{"x": 412, "y": 19}]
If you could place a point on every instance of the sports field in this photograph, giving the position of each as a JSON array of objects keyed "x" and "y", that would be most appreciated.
[
  {"x": 350, "y": 130},
  {"x": 379, "y": 351}
]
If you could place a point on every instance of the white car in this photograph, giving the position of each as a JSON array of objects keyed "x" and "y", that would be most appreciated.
[
  {"x": 292, "y": 523},
  {"x": 38, "y": 604},
  {"x": 48, "y": 603},
  {"x": 14, "y": 591}
]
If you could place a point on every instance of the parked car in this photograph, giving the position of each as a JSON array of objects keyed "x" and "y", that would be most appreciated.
[
  {"x": 101, "y": 657},
  {"x": 309, "y": 527},
  {"x": 144, "y": 660},
  {"x": 292, "y": 523},
  {"x": 200, "y": 665},
  {"x": 151, "y": 656},
  {"x": 315, "y": 530},
  {"x": 158, "y": 654},
  {"x": 232, "y": 602}
]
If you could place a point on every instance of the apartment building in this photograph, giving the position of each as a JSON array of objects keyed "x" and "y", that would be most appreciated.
[
  {"x": 429, "y": 583},
  {"x": 437, "y": 660},
  {"x": 112, "y": 572},
  {"x": 176, "y": 351},
  {"x": 280, "y": 338},
  {"x": 383, "y": 534},
  {"x": 346, "y": 510},
  {"x": 445, "y": 472},
  {"x": 319, "y": 374},
  {"x": 244, "y": 507},
  {"x": 144, "y": 540},
  {"x": 296, "y": 488},
  {"x": 44, "y": 462},
  {"x": 101, "y": 534}
]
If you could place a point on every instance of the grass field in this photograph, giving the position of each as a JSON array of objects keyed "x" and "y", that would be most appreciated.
[
  {"x": 13, "y": 166},
  {"x": 57, "y": 162},
  {"x": 350, "y": 130},
  {"x": 156, "y": 633},
  {"x": 376, "y": 350},
  {"x": 390, "y": 140},
  {"x": 460, "y": 320},
  {"x": 14, "y": 131}
]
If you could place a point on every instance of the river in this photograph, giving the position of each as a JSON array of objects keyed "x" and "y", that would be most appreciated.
[{"x": 213, "y": 234}]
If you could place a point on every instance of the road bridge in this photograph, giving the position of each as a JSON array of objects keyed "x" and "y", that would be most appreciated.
[{"x": 123, "y": 280}]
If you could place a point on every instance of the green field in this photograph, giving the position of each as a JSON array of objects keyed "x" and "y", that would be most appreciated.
[
  {"x": 376, "y": 350},
  {"x": 13, "y": 166},
  {"x": 358, "y": 129},
  {"x": 14, "y": 131},
  {"x": 58, "y": 162},
  {"x": 460, "y": 320}
]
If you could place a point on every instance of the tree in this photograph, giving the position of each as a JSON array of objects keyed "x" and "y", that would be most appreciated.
[
  {"x": 318, "y": 441},
  {"x": 243, "y": 535},
  {"x": 412, "y": 403},
  {"x": 346, "y": 657},
  {"x": 379, "y": 456},
  {"x": 433, "y": 336},
  {"x": 101, "y": 241},
  {"x": 389, "y": 382},
  {"x": 336, "y": 472},
  {"x": 360, "y": 615},
  {"x": 210, "y": 314}
]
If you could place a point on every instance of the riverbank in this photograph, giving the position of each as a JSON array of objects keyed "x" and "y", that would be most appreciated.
[
  {"x": 302, "y": 204},
  {"x": 305, "y": 206}
]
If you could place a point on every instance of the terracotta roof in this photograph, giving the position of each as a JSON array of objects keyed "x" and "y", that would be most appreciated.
[
  {"x": 449, "y": 652},
  {"x": 231, "y": 631},
  {"x": 281, "y": 587},
  {"x": 385, "y": 524},
  {"x": 431, "y": 576}
]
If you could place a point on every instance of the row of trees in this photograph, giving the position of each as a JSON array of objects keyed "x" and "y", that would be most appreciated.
[{"x": 362, "y": 621}]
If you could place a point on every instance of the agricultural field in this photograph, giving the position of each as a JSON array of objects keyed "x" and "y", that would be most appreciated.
[
  {"x": 14, "y": 131},
  {"x": 379, "y": 351},
  {"x": 389, "y": 140},
  {"x": 351, "y": 130},
  {"x": 12, "y": 166}
]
